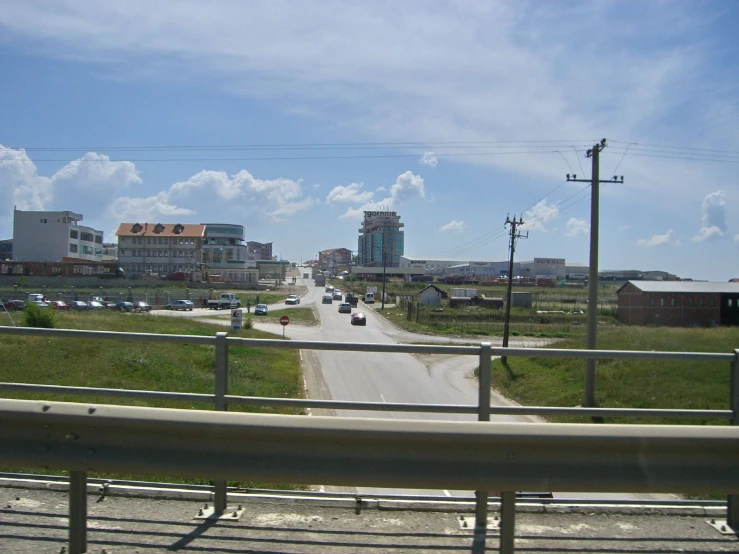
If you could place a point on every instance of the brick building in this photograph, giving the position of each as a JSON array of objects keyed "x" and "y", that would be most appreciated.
[{"x": 678, "y": 303}]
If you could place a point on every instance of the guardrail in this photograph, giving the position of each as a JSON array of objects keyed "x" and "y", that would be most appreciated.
[{"x": 680, "y": 441}]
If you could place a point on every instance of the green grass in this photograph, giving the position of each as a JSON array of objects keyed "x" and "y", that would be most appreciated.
[
  {"x": 267, "y": 372},
  {"x": 628, "y": 383},
  {"x": 296, "y": 315}
]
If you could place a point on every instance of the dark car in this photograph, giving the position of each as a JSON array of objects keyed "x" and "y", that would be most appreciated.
[
  {"x": 124, "y": 306},
  {"x": 15, "y": 305},
  {"x": 78, "y": 305},
  {"x": 359, "y": 319},
  {"x": 141, "y": 307},
  {"x": 181, "y": 305}
]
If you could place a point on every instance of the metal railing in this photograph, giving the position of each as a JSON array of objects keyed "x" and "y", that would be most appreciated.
[{"x": 221, "y": 399}]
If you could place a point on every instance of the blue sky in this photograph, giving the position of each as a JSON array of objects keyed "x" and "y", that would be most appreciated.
[{"x": 291, "y": 117}]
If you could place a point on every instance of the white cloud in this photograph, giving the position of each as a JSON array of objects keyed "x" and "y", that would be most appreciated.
[
  {"x": 407, "y": 187},
  {"x": 350, "y": 194},
  {"x": 96, "y": 174},
  {"x": 454, "y": 226},
  {"x": 428, "y": 158},
  {"x": 577, "y": 227},
  {"x": 541, "y": 213},
  {"x": 667, "y": 239},
  {"x": 713, "y": 219},
  {"x": 22, "y": 186}
]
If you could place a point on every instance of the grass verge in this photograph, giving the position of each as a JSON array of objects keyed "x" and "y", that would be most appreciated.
[{"x": 265, "y": 372}]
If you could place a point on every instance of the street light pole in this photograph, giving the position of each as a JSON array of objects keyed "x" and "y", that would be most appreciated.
[{"x": 384, "y": 267}]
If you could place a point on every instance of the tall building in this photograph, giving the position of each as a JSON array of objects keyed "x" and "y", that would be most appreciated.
[
  {"x": 381, "y": 240},
  {"x": 225, "y": 256},
  {"x": 40, "y": 236}
]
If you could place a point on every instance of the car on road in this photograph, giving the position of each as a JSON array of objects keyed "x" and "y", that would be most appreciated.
[
  {"x": 141, "y": 307},
  {"x": 293, "y": 299},
  {"x": 327, "y": 299},
  {"x": 337, "y": 295},
  {"x": 329, "y": 288},
  {"x": 15, "y": 305},
  {"x": 261, "y": 309},
  {"x": 78, "y": 305},
  {"x": 359, "y": 319},
  {"x": 124, "y": 306},
  {"x": 345, "y": 308},
  {"x": 59, "y": 305},
  {"x": 184, "y": 305}
]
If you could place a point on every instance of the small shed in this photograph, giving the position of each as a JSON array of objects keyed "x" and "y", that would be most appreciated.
[{"x": 430, "y": 295}]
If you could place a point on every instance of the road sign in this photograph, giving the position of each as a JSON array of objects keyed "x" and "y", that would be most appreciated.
[
  {"x": 284, "y": 320},
  {"x": 236, "y": 319}
]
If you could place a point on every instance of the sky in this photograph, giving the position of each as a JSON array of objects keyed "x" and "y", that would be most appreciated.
[{"x": 293, "y": 117}]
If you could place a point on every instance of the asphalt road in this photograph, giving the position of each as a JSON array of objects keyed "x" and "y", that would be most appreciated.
[{"x": 391, "y": 378}]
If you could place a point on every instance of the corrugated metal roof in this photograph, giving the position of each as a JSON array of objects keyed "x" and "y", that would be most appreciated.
[{"x": 685, "y": 286}]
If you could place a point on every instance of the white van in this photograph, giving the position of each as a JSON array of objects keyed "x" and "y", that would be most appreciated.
[
  {"x": 35, "y": 297},
  {"x": 369, "y": 298}
]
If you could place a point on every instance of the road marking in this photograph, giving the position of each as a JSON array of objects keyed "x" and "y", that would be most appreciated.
[{"x": 447, "y": 492}]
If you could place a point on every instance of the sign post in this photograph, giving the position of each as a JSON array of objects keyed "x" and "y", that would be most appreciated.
[
  {"x": 236, "y": 319},
  {"x": 284, "y": 320}
]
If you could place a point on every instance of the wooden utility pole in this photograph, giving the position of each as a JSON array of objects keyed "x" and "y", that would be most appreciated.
[{"x": 512, "y": 249}]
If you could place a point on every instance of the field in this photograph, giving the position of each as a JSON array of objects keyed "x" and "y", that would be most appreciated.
[{"x": 147, "y": 366}]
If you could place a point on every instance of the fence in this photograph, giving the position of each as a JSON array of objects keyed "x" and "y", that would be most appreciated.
[{"x": 382, "y": 452}]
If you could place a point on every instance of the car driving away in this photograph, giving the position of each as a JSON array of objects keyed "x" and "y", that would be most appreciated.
[
  {"x": 261, "y": 309},
  {"x": 293, "y": 299},
  {"x": 184, "y": 305},
  {"x": 337, "y": 295},
  {"x": 345, "y": 308},
  {"x": 359, "y": 319},
  {"x": 327, "y": 299}
]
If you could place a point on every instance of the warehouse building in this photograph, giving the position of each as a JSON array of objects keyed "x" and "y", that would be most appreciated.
[{"x": 678, "y": 303}]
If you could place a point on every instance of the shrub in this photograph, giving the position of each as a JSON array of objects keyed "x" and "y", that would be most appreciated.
[
  {"x": 248, "y": 324},
  {"x": 36, "y": 316}
]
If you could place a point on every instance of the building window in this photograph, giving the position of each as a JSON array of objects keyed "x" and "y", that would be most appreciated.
[
  {"x": 730, "y": 303},
  {"x": 73, "y": 234},
  {"x": 712, "y": 302},
  {"x": 148, "y": 240},
  {"x": 702, "y": 301},
  {"x": 73, "y": 248},
  {"x": 661, "y": 300},
  {"x": 205, "y": 256},
  {"x": 690, "y": 301},
  {"x": 87, "y": 237},
  {"x": 673, "y": 302}
]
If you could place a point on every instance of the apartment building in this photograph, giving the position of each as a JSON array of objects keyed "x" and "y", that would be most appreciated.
[{"x": 54, "y": 236}]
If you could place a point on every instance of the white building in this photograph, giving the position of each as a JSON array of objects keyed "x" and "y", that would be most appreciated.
[
  {"x": 544, "y": 267},
  {"x": 156, "y": 248},
  {"x": 432, "y": 266},
  {"x": 41, "y": 236}
]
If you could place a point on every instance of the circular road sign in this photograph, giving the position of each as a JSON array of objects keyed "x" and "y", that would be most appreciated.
[{"x": 284, "y": 320}]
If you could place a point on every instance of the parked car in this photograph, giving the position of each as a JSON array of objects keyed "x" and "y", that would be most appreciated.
[
  {"x": 261, "y": 309},
  {"x": 95, "y": 305},
  {"x": 359, "y": 319},
  {"x": 15, "y": 305},
  {"x": 293, "y": 299},
  {"x": 110, "y": 305},
  {"x": 345, "y": 308},
  {"x": 41, "y": 303},
  {"x": 327, "y": 299},
  {"x": 181, "y": 305},
  {"x": 124, "y": 306},
  {"x": 337, "y": 295},
  {"x": 78, "y": 305},
  {"x": 59, "y": 305},
  {"x": 141, "y": 307}
]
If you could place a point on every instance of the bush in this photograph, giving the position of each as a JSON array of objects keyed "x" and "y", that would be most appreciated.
[
  {"x": 36, "y": 316},
  {"x": 248, "y": 324}
]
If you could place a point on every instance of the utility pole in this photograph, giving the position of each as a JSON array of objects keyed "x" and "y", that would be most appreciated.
[
  {"x": 592, "y": 330},
  {"x": 512, "y": 249},
  {"x": 384, "y": 268}
]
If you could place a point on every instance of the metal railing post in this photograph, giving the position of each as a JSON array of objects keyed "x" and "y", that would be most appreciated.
[
  {"x": 483, "y": 414},
  {"x": 77, "y": 512},
  {"x": 732, "y": 501},
  {"x": 507, "y": 521},
  {"x": 220, "y": 496}
]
